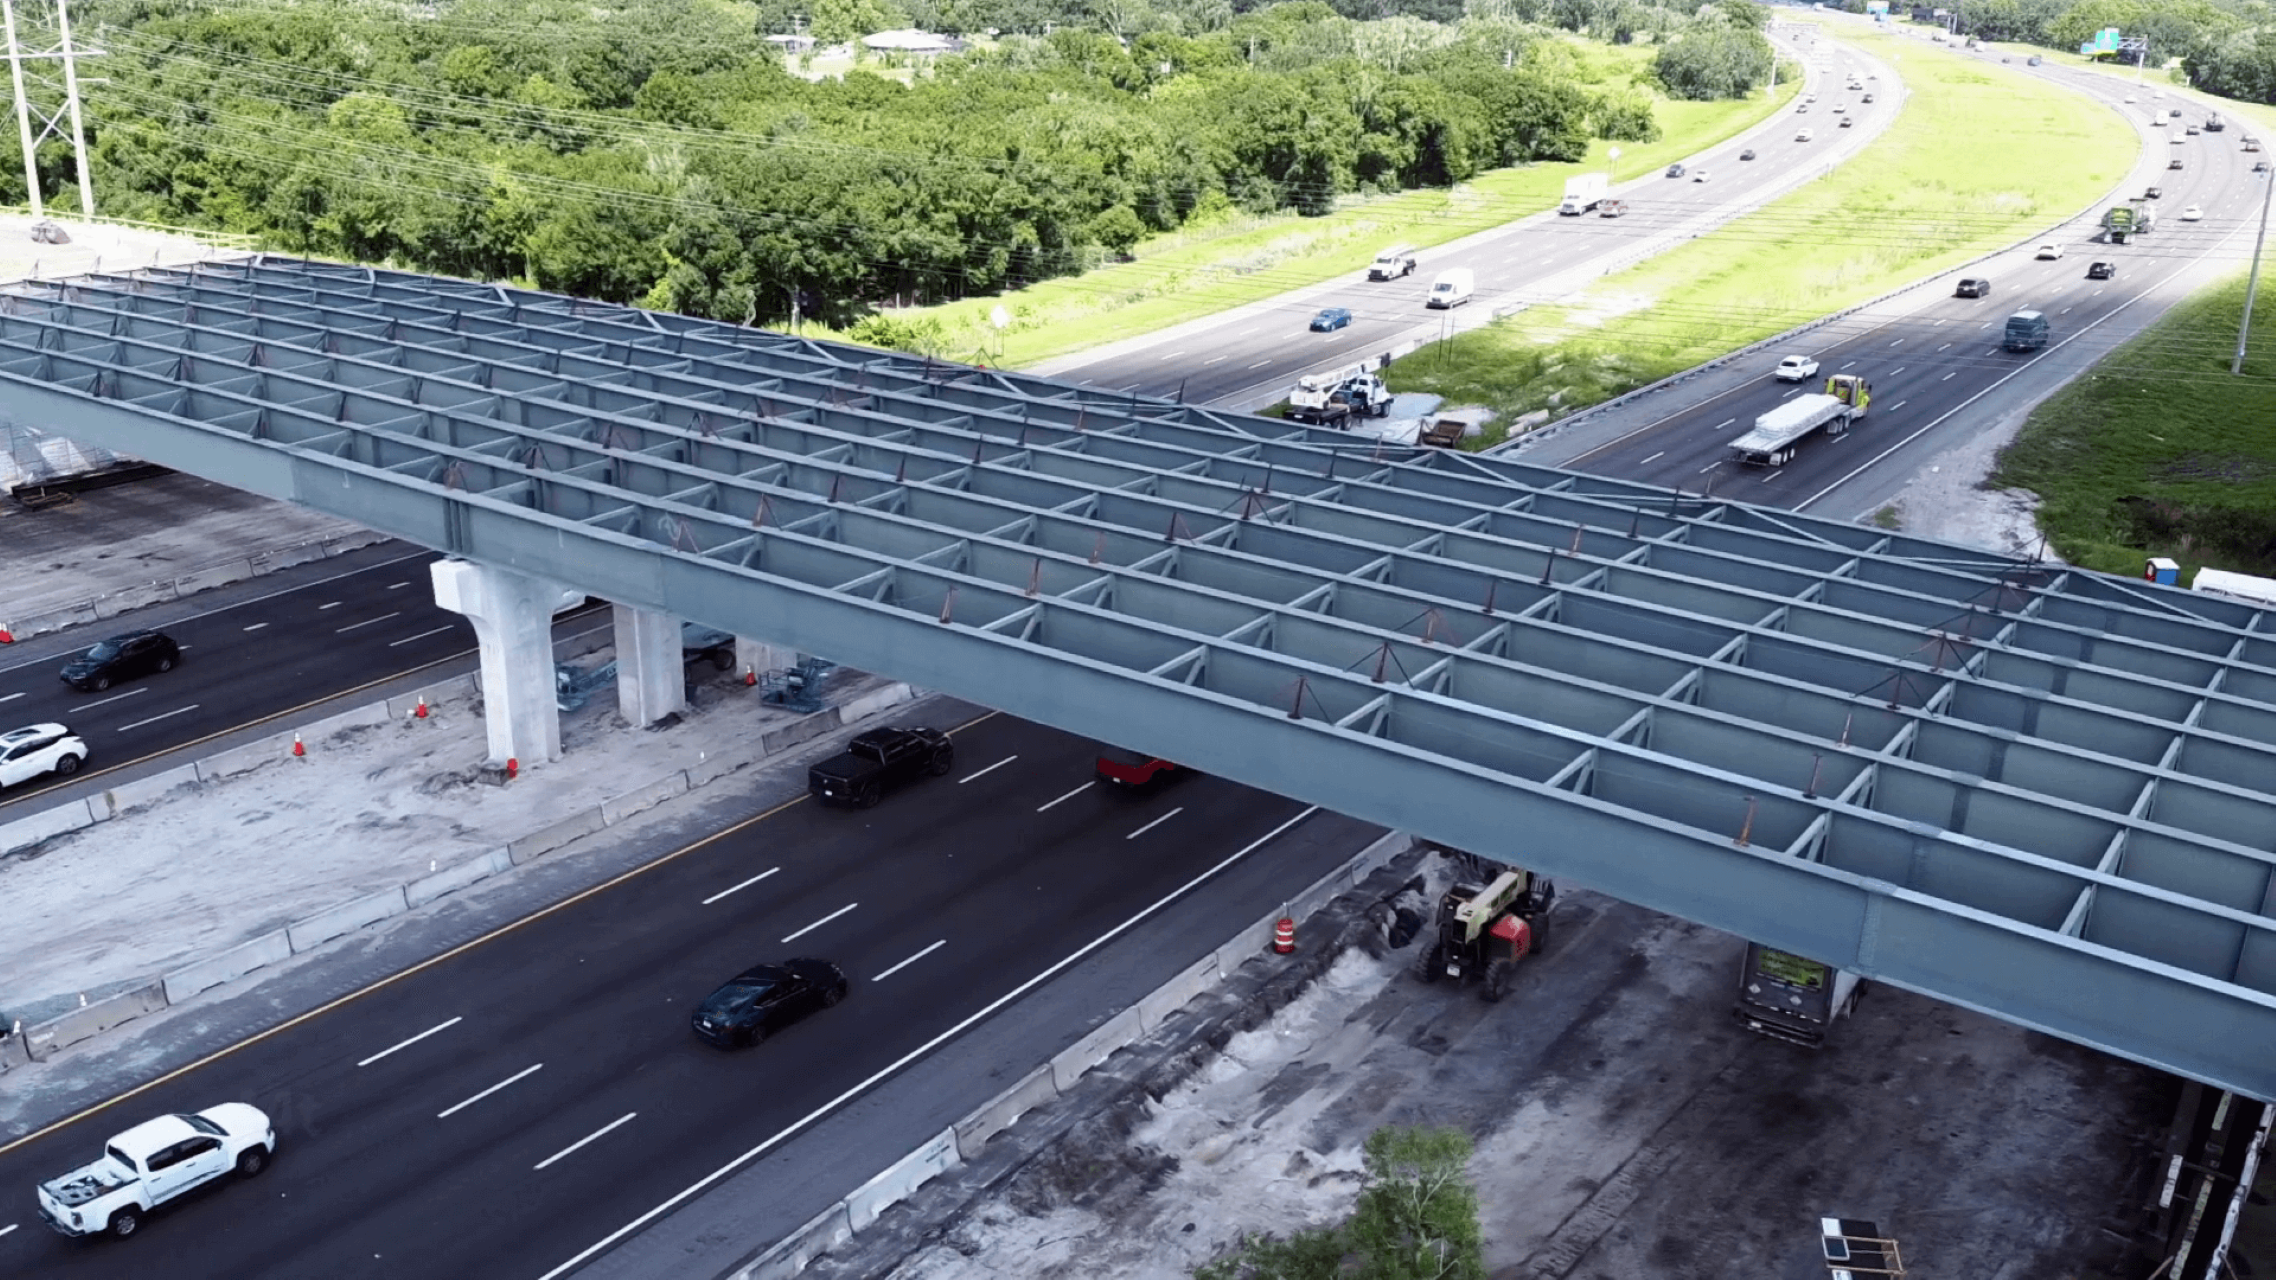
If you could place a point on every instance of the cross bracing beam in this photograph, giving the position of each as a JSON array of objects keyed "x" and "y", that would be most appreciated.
[{"x": 2029, "y": 790}]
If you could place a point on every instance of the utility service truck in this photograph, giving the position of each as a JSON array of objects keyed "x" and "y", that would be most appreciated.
[
  {"x": 1392, "y": 263},
  {"x": 1582, "y": 193},
  {"x": 1330, "y": 399},
  {"x": 1779, "y": 433}
]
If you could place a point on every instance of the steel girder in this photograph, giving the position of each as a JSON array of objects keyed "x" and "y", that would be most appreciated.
[{"x": 2026, "y": 789}]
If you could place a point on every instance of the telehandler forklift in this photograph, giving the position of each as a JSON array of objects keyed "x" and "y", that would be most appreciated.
[{"x": 1485, "y": 930}]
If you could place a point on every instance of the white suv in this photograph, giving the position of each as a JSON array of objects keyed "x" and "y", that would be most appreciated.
[
  {"x": 39, "y": 749},
  {"x": 2049, "y": 251},
  {"x": 1795, "y": 369}
]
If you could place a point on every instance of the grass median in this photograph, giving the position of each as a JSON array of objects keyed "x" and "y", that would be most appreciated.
[
  {"x": 1228, "y": 259},
  {"x": 1980, "y": 157},
  {"x": 2161, "y": 451}
]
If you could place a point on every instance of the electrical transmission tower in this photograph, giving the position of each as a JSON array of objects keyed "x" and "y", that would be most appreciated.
[{"x": 32, "y": 58}]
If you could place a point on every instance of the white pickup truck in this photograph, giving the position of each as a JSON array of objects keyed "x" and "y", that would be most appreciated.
[{"x": 154, "y": 1162}]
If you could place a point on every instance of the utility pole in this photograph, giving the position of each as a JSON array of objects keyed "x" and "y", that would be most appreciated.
[
  {"x": 2252, "y": 288},
  {"x": 51, "y": 122}
]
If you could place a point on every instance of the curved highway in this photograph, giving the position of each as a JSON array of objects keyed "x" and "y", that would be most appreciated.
[
  {"x": 1929, "y": 354},
  {"x": 1253, "y": 355}
]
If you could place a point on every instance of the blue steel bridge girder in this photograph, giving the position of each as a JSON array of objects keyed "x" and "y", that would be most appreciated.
[{"x": 2026, "y": 789}]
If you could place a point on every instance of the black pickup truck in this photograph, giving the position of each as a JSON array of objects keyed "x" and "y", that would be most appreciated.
[{"x": 877, "y": 760}]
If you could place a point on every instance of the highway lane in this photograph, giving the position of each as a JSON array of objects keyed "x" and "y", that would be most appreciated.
[
  {"x": 1930, "y": 355},
  {"x": 1269, "y": 348},
  {"x": 243, "y": 662},
  {"x": 432, "y": 1126}
]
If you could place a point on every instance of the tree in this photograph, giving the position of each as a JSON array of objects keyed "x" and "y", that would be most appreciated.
[
  {"x": 1417, "y": 1219},
  {"x": 1714, "y": 60},
  {"x": 1418, "y": 1214}
]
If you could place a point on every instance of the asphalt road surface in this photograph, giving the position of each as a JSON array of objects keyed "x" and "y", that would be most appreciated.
[
  {"x": 293, "y": 646},
  {"x": 1254, "y": 350},
  {"x": 1928, "y": 364},
  {"x": 501, "y": 1109}
]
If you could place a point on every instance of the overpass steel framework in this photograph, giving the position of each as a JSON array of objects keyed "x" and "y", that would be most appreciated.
[{"x": 2030, "y": 790}]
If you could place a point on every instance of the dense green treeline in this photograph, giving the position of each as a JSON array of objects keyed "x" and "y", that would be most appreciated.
[
  {"x": 2226, "y": 47},
  {"x": 663, "y": 153}
]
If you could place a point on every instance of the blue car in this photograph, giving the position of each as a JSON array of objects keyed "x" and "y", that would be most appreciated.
[{"x": 1330, "y": 320}]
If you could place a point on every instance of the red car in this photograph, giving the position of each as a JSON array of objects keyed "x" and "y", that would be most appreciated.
[{"x": 1134, "y": 770}]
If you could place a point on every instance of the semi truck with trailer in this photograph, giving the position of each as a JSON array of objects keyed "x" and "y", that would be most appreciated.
[
  {"x": 1778, "y": 434},
  {"x": 1583, "y": 192},
  {"x": 2134, "y": 218}
]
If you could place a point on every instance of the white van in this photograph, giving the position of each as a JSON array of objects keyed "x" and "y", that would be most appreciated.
[{"x": 1452, "y": 288}]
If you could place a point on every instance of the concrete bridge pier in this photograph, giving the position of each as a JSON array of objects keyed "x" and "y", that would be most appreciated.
[
  {"x": 761, "y": 657},
  {"x": 651, "y": 674},
  {"x": 512, "y": 615}
]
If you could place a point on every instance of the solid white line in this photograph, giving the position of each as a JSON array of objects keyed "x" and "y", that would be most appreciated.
[
  {"x": 1155, "y": 823},
  {"x": 367, "y": 622},
  {"x": 11, "y": 697},
  {"x": 740, "y": 887},
  {"x": 256, "y": 626},
  {"x": 446, "y": 1112},
  {"x": 910, "y": 961},
  {"x": 116, "y": 697},
  {"x": 334, "y": 605},
  {"x": 421, "y": 636},
  {"x": 155, "y": 719},
  {"x": 800, "y": 1124},
  {"x": 623, "y": 1119},
  {"x": 823, "y": 921},
  {"x": 440, "y": 1026},
  {"x": 985, "y": 772},
  {"x": 1069, "y": 796}
]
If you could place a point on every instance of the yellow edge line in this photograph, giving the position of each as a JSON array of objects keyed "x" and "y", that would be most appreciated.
[{"x": 428, "y": 963}]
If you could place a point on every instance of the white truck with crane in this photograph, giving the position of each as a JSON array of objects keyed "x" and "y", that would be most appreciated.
[
  {"x": 1330, "y": 399},
  {"x": 1778, "y": 434}
]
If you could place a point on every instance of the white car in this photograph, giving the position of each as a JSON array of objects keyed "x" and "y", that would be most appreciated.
[
  {"x": 1698, "y": 175},
  {"x": 155, "y": 1162},
  {"x": 39, "y": 749},
  {"x": 2049, "y": 251},
  {"x": 2192, "y": 214},
  {"x": 1795, "y": 369},
  {"x": 1803, "y": 136}
]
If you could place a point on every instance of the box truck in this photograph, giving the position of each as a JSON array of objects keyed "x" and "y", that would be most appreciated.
[{"x": 1582, "y": 194}]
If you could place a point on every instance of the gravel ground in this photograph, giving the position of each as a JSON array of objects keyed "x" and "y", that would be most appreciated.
[{"x": 1626, "y": 1128}]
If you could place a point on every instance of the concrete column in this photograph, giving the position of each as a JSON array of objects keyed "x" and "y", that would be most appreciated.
[
  {"x": 651, "y": 681},
  {"x": 759, "y": 656},
  {"x": 512, "y": 615}
]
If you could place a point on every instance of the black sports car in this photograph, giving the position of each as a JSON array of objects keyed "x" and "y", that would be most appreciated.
[
  {"x": 121, "y": 658},
  {"x": 766, "y": 998}
]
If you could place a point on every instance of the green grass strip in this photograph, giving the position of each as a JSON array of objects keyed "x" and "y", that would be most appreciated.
[
  {"x": 2160, "y": 451},
  {"x": 1233, "y": 259},
  {"x": 1978, "y": 158}
]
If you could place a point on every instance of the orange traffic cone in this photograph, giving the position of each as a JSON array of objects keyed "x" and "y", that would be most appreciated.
[
  {"x": 750, "y": 677},
  {"x": 1283, "y": 936},
  {"x": 6, "y": 636},
  {"x": 298, "y": 749},
  {"x": 421, "y": 711},
  {"x": 513, "y": 766}
]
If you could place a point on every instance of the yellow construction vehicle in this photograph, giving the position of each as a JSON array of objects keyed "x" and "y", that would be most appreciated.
[{"x": 1488, "y": 929}]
